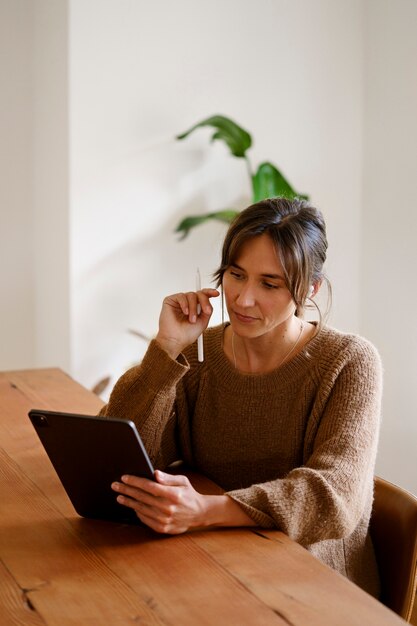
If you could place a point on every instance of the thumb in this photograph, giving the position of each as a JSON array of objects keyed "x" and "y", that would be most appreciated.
[{"x": 175, "y": 480}]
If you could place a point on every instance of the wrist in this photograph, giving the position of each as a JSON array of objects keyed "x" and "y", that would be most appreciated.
[
  {"x": 170, "y": 346},
  {"x": 221, "y": 510}
]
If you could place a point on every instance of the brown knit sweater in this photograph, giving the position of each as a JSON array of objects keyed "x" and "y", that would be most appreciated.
[{"x": 295, "y": 447}]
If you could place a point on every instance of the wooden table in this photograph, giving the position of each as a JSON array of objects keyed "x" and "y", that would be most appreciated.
[{"x": 59, "y": 569}]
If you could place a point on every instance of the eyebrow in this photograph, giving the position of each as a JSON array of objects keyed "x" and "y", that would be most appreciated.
[{"x": 273, "y": 276}]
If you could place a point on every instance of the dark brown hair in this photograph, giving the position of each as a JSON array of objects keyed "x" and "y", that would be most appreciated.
[{"x": 298, "y": 232}]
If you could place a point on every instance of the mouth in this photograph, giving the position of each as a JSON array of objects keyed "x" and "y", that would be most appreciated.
[{"x": 244, "y": 319}]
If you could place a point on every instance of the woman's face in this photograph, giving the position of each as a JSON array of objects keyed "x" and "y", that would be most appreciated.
[{"x": 257, "y": 298}]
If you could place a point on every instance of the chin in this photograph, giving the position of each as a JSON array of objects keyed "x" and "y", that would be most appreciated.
[{"x": 247, "y": 330}]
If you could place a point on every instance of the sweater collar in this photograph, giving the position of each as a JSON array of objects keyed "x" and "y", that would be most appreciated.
[{"x": 228, "y": 376}]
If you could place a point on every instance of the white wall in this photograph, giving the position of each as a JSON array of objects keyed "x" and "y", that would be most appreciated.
[
  {"x": 51, "y": 184},
  {"x": 142, "y": 72},
  {"x": 34, "y": 201},
  {"x": 389, "y": 263},
  {"x": 17, "y": 337}
]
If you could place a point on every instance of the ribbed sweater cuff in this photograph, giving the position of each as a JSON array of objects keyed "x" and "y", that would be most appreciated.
[
  {"x": 159, "y": 370},
  {"x": 261, "y": 519}
]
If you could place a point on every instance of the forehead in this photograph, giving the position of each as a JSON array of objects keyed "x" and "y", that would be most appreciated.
[{"x": 259, "y": 255}]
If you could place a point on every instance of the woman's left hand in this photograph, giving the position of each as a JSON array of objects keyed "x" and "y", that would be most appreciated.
[{"x": 169, "y": 505}]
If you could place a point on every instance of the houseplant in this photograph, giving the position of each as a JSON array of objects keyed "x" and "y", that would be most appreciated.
[{"x": 266, "y": 182}]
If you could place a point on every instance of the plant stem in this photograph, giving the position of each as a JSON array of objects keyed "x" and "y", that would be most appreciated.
[
  {"x": 249, "y": 166},
  {"x": 250, "y": 173}
]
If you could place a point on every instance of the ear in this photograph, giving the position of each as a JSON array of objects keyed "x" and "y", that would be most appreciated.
[{"x": 314, "y": 289}]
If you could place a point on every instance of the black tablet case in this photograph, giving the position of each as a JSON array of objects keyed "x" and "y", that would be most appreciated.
[{"x": 88, "y": 454}]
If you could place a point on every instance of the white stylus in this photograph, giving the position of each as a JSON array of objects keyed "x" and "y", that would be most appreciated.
[{"x": 200, "y": 346}]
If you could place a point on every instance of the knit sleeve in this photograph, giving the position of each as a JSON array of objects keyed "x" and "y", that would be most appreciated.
[
  {"x": 146, "y": 395},
  {"x": 325, "y": 498}
]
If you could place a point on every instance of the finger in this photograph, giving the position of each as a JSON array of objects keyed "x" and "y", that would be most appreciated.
[
  {"x": 137, "y": 481},
  {"x": 160, "y": 519},
  {"x": 192, "y": 300},
  {"x": 211, "y": 293},
  {"x": 178, "y": 301},
  {"x": 135, "y": 494},
  {"x": 143, "y": 485},
  {"x": 142, "y": 506},
  {"x": 199, "y": 301},
  {"x": 159, "y": 526},
  {"x": 173, "y": 480},
  {"x": 204, "y": 300},
  {"x": 130, "y": 503}
]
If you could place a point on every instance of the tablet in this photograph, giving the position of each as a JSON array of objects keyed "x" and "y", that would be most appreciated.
[{"x": 88, "y": 454}]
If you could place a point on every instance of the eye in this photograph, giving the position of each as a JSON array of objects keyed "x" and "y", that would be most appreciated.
[
  {"x": 270, "y": 285},
  {"x": 236, "y": 275}
]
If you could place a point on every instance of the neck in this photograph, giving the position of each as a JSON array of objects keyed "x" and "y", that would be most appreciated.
[{"x": 266, "y": 353}]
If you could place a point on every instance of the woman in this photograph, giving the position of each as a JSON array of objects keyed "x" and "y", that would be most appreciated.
[{"x": 283, "y": 413}]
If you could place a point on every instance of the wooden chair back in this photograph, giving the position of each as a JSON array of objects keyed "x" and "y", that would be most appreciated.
[{"x": 393, "y": 530}]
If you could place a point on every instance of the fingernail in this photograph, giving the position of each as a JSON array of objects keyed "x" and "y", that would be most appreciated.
[{"x": 193, "y": 319}]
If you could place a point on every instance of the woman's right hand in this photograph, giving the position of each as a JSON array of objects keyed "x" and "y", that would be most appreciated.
[{"x": 180, "y": 324}]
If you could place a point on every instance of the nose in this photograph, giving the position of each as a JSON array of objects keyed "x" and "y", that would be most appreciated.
[{"x": 246, "y": 297}]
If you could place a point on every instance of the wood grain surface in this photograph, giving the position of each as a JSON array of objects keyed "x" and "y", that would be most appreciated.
[{"x": 57, "y": 568}]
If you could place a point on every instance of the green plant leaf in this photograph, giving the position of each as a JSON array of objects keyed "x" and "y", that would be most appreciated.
[
  {"x": 268, "y": 182},
  {"x": 184, "y": 227},
  {"x": 236, "y": 138}
]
